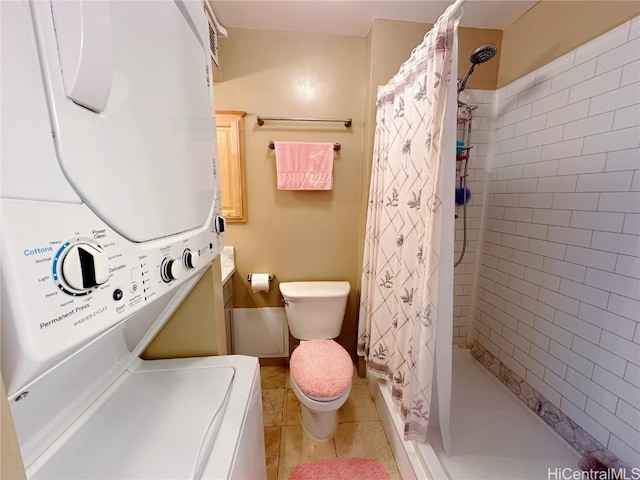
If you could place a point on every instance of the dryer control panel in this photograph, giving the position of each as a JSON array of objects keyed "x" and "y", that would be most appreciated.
[{"x": 79, "y": 278}]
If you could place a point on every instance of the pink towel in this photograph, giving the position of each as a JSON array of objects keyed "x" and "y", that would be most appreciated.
[{"x": 304, "y": 166}]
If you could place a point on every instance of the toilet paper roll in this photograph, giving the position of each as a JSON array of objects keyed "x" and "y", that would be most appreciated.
[{"x": 260, "y": 282}]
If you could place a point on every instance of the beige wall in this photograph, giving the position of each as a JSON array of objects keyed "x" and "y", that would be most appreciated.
[
  {"x": 11, "y": 467},
  {"x": 197, "y": 327},
  {"x": 551, "y": 29},
  {"x": 296, "y": 235}
]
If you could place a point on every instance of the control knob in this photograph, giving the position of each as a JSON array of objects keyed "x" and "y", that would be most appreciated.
[
  {"x": 190, "y": 259},
  {"x": 170, "y": 269},
  {"x": 84, "y": 266},
  {"x": 220, "y": 224}
]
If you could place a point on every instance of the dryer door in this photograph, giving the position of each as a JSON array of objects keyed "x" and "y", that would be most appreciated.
[{"x": 132, "y": 112}]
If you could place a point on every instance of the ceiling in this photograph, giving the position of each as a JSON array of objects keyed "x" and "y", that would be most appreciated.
[{"x": 354, "y": 17}]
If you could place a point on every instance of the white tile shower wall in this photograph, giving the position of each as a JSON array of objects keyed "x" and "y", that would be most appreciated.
[
  {"x": 559, "y": 295},
  {"x": 464, "y": 273}
]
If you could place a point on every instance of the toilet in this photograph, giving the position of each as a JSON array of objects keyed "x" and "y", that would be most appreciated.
[{"x": 320, "y": 369}]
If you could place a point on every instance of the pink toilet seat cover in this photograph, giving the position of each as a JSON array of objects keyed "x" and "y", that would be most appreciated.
[{"x": 321, "y": 368}]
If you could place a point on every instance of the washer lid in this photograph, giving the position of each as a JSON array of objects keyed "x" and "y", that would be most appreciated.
[
  {"x": 314, "y": 290},
  {"x": 155, "y": 424}
]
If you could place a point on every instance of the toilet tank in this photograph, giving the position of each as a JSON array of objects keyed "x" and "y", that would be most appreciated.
[{"x": 315, "y": 310}]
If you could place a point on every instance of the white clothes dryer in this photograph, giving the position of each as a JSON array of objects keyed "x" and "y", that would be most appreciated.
[{"x": 110, "y": 214}]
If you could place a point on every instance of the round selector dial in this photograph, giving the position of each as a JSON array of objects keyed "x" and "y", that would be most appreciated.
[
  {"x": 190, "y": 259},
  {"x": 170, "y": 269},
  {"x": 84, "y": 266}
]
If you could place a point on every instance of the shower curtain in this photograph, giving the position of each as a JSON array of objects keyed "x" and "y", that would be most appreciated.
[{"x": 399, "y": 308}]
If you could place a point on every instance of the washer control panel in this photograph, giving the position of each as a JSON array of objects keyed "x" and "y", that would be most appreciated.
[{"x": 78, "y": 278}]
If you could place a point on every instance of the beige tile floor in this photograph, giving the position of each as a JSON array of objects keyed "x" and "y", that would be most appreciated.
[{"x": 359, "y": 434}]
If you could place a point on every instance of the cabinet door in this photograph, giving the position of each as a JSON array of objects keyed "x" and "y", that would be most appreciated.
[{"x": 229, "y": 128}]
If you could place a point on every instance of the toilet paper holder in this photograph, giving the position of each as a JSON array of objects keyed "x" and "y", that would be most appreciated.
[{"x": 271, "y": 278}]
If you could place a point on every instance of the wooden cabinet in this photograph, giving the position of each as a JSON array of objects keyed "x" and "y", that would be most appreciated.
[{"x": 229, "y": 129}]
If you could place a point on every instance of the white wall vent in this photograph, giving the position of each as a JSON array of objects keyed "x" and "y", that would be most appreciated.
[{"x": 215, "y": 30}]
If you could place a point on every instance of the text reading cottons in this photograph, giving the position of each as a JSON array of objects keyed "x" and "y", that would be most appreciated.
[{"x": 35, "y": 251}]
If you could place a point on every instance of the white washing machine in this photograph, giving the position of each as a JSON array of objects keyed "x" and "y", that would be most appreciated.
[{"x": 110, "y": 214}]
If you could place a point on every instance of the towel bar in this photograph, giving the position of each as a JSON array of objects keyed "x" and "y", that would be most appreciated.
[
  {"x": 336, "y": 146},
  {"x": 260, "y": 120}
]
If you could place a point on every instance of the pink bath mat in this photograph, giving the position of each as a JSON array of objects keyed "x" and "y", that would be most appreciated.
[{"x": 340, "y": 469}]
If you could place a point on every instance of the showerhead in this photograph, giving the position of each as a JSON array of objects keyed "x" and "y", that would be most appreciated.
[
  {"x": 483, "y": 54},
  {"x": 480, "y": 55}
]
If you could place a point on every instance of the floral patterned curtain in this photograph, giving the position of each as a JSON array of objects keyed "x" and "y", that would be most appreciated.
[{"x": 399, "y": 307}]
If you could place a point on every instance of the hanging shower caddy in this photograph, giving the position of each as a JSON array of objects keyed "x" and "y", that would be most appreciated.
[{"x": 463, "y": 149}]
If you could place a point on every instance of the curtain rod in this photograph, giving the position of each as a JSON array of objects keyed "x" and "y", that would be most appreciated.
[
  {"x": 260, "y": 120},
  {"x": 455, "y": 7}
]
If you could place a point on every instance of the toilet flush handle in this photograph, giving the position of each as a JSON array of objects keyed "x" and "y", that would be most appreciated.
[{"x": 284, "y": 301}]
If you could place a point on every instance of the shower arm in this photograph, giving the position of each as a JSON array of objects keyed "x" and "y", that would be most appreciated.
[{"x": 463, "y": 83}]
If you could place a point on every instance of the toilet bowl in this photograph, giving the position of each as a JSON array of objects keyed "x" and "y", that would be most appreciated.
[
  {"x": 321, "y": 370},
  {"x": 319, "y": 418}
]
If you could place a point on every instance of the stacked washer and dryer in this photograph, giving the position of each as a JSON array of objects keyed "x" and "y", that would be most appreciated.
[{"x": 110, "y": 214}]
